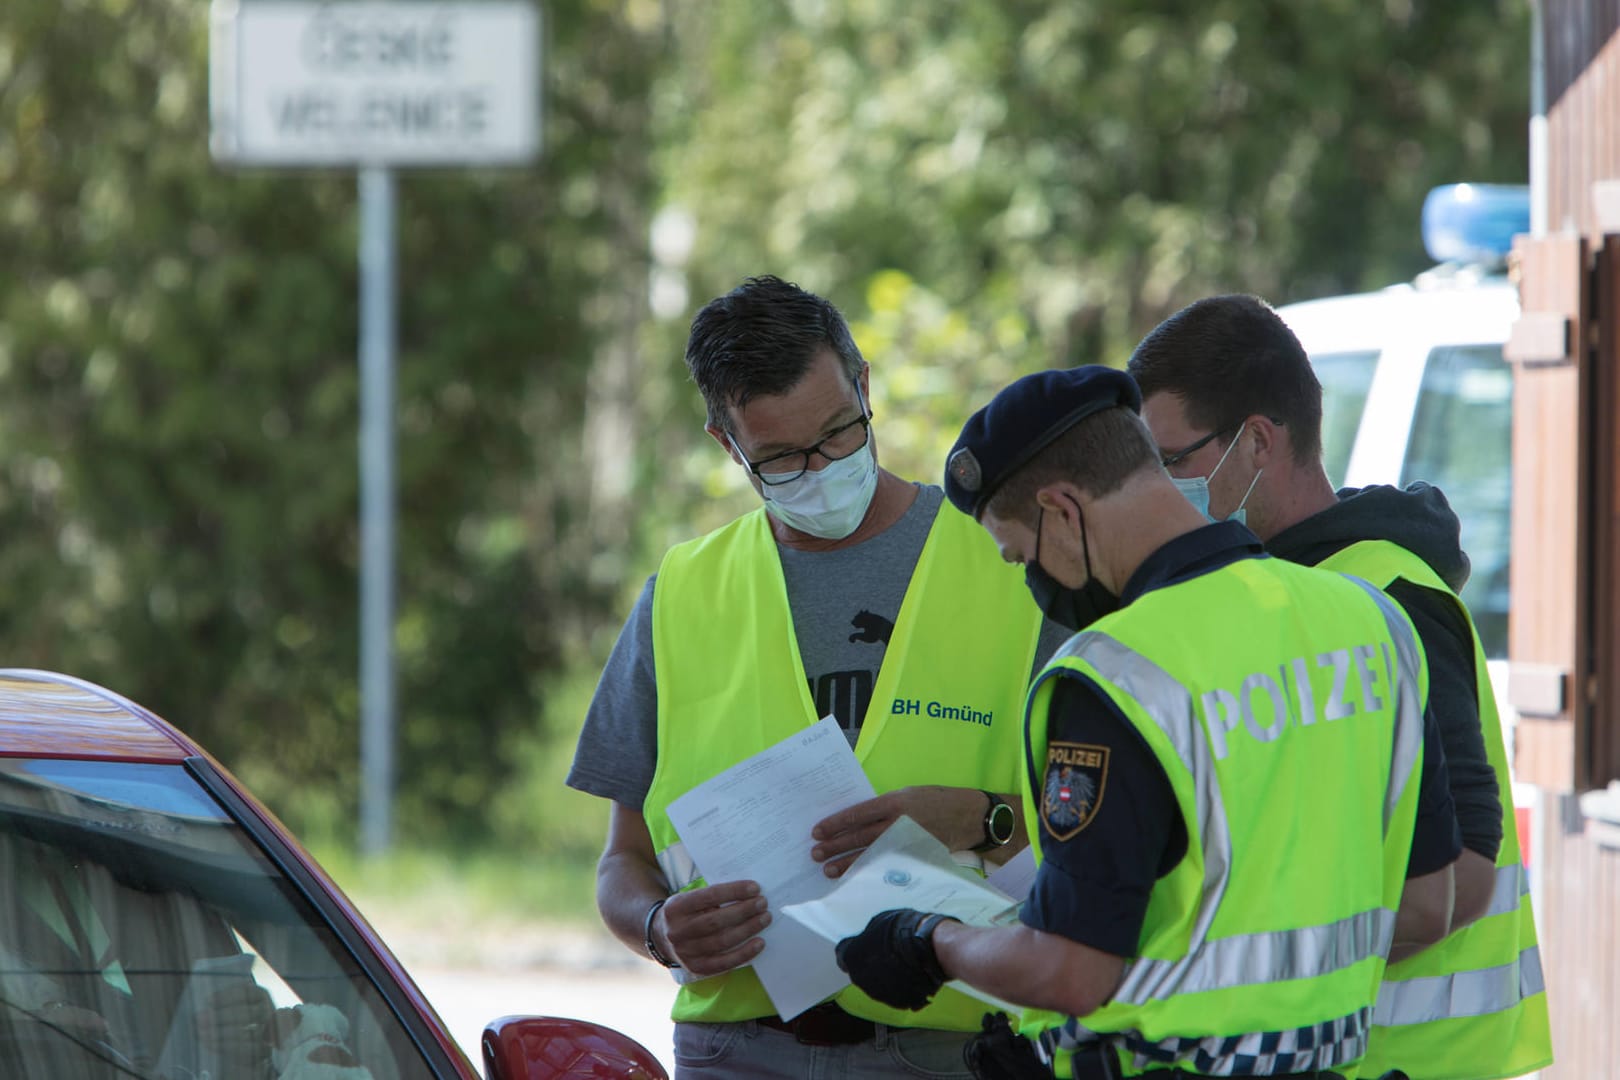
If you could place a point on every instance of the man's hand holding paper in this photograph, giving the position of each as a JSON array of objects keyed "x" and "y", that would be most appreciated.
[
  {"x": 751, "y": 824},
  {"x": 713, "y": 928},
  {"x": 946, "y": 812},
  {"x": 905, "y": 868}
]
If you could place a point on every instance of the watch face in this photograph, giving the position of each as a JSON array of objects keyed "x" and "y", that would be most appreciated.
[{"x": 999, "y": 823}]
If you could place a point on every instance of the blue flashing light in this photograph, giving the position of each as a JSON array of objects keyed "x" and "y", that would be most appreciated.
[{"x": 1474, "y": 223}]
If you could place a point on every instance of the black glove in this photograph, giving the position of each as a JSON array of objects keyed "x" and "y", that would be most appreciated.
[
  {"x": 893, "y": 958},
  {"x": 996, "y": 1053}
]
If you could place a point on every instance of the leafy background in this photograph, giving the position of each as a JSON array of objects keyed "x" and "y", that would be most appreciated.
[{"x": 985, "y": 187}]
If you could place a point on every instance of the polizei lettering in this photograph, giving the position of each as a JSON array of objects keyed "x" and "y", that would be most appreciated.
[
  {"x": 939, "y": 711},
  {"x": 1323, "y": 688}
]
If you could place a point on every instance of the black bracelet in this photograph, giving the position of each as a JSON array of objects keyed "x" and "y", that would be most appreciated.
[{"x": 646, "y": 932}]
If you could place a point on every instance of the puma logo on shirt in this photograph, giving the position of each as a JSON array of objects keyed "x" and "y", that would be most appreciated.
[{"x": 871, "y": 628}]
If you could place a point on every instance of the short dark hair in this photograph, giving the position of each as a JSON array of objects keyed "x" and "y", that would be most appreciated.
[
  {"x": 1231, "y": 357},
  {"x": 759, "y": 340},
  {"x": 1097, "y": 455}
]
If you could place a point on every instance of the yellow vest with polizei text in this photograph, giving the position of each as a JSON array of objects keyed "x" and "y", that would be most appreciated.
[
  {"x": 1285, "y": 706},
  {"x": 1474, "y": 1006},
  {"x": 946, "y": 708}
]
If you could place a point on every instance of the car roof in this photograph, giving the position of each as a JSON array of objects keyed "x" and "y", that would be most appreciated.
[
  {"x": 44, "y": 714},
  {"x": 1459, "y": 310}
]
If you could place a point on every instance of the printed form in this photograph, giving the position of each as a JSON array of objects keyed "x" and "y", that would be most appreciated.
[
  {"x": 907, "y": 867},
  {"x": 752, "y": 822}
]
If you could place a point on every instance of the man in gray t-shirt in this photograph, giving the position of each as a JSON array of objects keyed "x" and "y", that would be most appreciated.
[
  {"x": 844, "y": 602},
  {"x": 867, "y": 566}
]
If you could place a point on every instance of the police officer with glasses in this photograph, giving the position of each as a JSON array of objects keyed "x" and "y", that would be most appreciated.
[{"x": 1237, "y": 808}]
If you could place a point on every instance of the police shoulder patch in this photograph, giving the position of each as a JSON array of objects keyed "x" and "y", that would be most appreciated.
[{"x": 1076, "y": 776}]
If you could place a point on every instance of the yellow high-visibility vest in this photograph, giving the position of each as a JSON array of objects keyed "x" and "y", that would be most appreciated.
[
  {"x": 1269, "y": 693},
  {"x": 946, "y": 708},
  {"x": 1474, "y": 1006}
]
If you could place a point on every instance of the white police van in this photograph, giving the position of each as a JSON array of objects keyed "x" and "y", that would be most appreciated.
[{"x": 1415, "y": 386}]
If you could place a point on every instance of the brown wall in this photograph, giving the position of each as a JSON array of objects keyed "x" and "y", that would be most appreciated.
[
  {"x": 1580, "y": 918},
  {"x": 1575, "y": 409},
  {"x": 1582, "y": 42}
]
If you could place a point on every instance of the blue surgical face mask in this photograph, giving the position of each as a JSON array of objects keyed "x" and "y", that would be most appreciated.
[
  {"x": 1196, "y": 488},
  {"x": 830, "y": 502}
]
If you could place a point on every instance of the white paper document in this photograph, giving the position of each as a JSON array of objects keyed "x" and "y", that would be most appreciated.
[
  {"x": 1016, "y": 876},
  {"x": 906, "y": 867},
  {"x": 752, "y": 822}
]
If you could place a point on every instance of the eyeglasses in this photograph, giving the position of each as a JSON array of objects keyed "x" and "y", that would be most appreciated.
[
  {"x": 837, "y": 444},
  {"x": 1171, "y": 460}
]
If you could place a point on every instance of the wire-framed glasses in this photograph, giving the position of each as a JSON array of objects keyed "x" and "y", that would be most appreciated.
[{"x": 1170, "y": 461}]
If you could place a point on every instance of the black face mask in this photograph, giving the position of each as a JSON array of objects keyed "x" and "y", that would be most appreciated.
[{"x": 1073, "y": 609}]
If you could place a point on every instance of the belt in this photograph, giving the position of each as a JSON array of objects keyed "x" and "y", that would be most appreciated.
[{"x": 824, "y": 1025}]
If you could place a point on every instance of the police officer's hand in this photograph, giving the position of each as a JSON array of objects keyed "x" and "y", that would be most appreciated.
[
  {"x": 714, "y": 928},
  {"x": 997, "y": 1053},
  {"x": 893, "y": 959},
  {"x": 954, "y": 816}
]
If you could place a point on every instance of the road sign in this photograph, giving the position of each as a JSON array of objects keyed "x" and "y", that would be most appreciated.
[{"x": 374, "y": 82}]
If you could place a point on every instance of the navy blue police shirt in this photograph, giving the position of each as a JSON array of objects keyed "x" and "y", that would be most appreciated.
[{"x": 1093, "y": 886}]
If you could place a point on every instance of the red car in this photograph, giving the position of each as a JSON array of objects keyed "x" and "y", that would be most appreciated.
[{"x": 156, "y": 921}]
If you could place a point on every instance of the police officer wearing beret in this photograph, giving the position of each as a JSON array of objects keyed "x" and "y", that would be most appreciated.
[{"x": 1236, "y": 803}]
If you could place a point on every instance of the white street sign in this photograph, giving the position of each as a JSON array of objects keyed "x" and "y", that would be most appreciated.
[{"x": 374, "y": 82}]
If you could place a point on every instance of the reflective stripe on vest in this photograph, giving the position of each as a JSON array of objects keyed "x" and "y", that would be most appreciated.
[
  {"x": 1463, "y": 993},
  {"x": 1472, "y": 1006},
  {"x": 945, "y": 708},
  {"x": 1149, "y": 695},
  {"x": 1409, "y": 714},
  {"x": 680, "y": 872},
  {"x": 1274, "y": 956}
]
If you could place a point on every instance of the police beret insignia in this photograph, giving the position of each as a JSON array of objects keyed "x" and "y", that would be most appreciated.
[
  {"x": 964, "y": 469},
  {"x": 1072, "y": 792},
  {"x": 1022, "y": 420}
]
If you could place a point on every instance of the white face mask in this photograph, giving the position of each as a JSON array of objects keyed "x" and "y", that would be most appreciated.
[
  {"x": 830, "y": 502},
  {"x": 1196, "y": 488}
]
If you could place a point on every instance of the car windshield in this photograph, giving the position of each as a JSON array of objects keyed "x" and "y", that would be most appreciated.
[
  {"x": 143, "y": 933},
  {"x": 1345, "y": 377},
  {"x": 1462, "y": 442}
]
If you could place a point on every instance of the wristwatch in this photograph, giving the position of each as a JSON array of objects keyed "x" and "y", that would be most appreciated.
[{"x": 999, "y": 820}]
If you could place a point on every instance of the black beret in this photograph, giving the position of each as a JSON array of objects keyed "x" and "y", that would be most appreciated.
[{"x": 1022, "y": 420}]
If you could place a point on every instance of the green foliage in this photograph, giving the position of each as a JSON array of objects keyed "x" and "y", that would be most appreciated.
[
  {"x": 178, "y": 408},
  {"x": 1098, "y": 164},
  {"x": 985, "y": 186},
  {"x": 993, "y": 186}
]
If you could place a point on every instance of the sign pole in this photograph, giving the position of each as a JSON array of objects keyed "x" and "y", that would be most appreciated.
[
  {"x": 374, "y": 85},
  {"x": 377, "y": 507}
]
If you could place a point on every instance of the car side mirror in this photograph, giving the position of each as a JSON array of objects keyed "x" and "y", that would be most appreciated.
[{"x": 554, "y": 1048}]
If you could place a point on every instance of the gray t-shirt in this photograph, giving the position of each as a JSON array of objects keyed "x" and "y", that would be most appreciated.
[{"x": 844, "y": 603}]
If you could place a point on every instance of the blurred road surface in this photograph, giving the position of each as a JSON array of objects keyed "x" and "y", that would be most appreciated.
[
  {"x": 636, "y": 1003},
  {"x": 476, "y": 971}
]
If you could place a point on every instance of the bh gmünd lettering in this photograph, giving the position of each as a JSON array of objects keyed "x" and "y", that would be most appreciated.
[
  {"x": 936, "y": 711},
  {"x": 958, "y": 712}
]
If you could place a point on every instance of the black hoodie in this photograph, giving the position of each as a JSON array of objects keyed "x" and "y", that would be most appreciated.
[{"x": 1420, "y": 520}]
